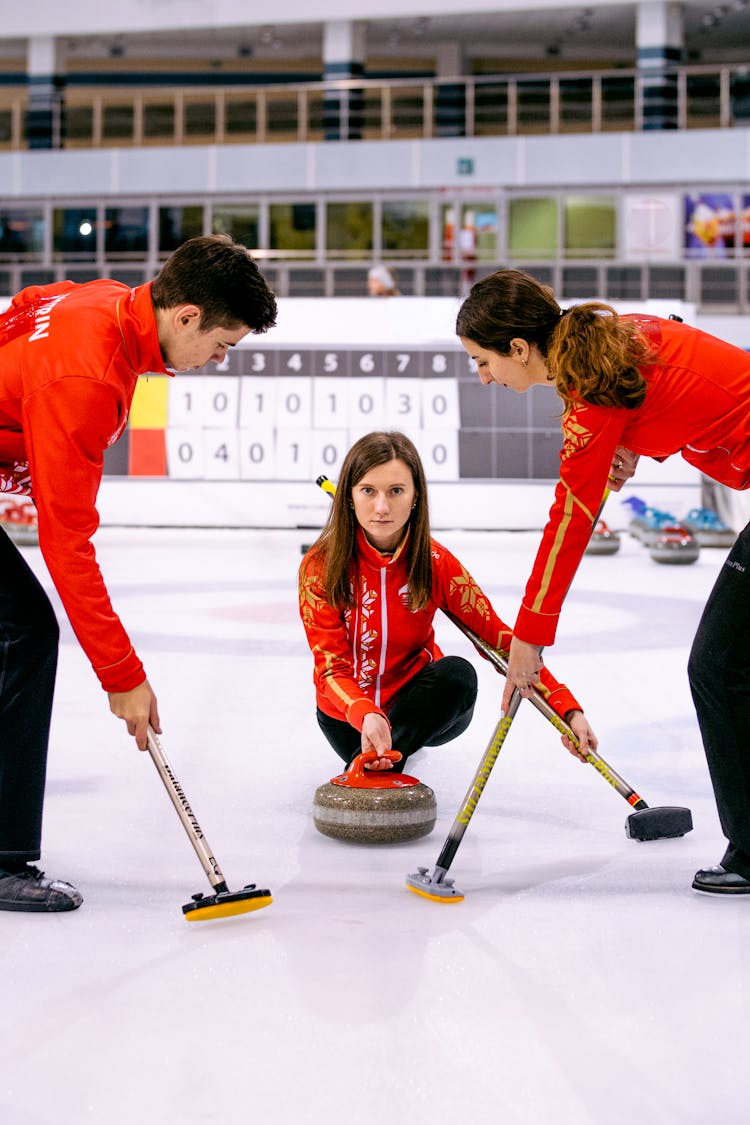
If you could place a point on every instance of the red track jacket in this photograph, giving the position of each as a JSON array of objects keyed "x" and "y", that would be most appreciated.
[
  {"x": 70, "y": 356},
  {"x": 365, "y": 654},
  {"x": 697, "y": 404}
]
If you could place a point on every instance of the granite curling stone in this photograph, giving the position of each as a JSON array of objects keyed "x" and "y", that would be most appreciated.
[
  {"x": 603, "y": 541},
  {"x": 675, "y": 545},
  {"x": 374, "y": 807},
  {"x": 19, "y": 521}
]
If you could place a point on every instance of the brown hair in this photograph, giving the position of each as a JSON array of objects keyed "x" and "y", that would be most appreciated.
[
  {"x": 589, "y": 351},
  {"x": 337, "y": 541},
  {"x": 220, "y": 277}
]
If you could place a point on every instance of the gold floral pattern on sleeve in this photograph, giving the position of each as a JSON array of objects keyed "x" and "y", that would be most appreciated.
[
  {"x": 471, "y": 598},
  {"x": 575, "y": 434},
  {"x": 310, "y": 598}
]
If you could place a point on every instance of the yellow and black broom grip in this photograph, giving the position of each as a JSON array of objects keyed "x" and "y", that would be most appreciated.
[{"x": 327, "y": 485}]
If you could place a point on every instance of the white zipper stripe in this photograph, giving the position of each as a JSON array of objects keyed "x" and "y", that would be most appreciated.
[
  {"x": 355, "y": 639},
  {"x": 384, "y": 630}
]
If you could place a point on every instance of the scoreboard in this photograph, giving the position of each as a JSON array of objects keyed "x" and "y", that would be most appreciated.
[
  {"x": 300, "y": 409},
  {"x": 277, "y": 414},
  {"x": 285, "y": 410},
  {"x": 240, "y": 443}
]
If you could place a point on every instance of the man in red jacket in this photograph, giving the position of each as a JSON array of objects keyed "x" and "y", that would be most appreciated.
[{"x": 70, "y": 357}]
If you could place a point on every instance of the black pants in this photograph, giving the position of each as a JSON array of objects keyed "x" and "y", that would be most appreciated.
[
  {"x": 434, "y": 707},
  {"x": 719, "y": 671},
  {"x": 29, "y": 636}
]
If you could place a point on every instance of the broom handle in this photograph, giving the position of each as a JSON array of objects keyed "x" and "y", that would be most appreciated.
[
  {"x": 185, "y": 813},
  {"x": 558, "y": 723},
  {"x": 474, "y": 792}
]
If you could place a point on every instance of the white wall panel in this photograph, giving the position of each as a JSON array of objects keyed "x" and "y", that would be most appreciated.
[{"x": 618, "y": 158}]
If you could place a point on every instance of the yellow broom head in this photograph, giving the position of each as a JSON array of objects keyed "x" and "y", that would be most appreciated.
[{"x": 225, "y": 904}]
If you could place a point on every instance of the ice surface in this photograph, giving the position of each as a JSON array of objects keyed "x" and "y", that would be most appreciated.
[{"x": 581, "y": 980}]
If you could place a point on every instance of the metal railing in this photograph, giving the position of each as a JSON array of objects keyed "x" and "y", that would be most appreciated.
[{"x": 480, "y": 106}]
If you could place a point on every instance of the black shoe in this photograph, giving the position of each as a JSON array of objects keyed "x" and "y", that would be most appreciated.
[
  {"x": 29, "y": 890},
  {"x": 718, "y": 881}
]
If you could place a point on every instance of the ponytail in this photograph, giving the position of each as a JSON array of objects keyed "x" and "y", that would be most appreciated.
[{"x": 593, "y": 355}]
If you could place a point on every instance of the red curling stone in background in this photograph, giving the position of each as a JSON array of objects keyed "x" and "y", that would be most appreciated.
[
  {"x": 19, "y": 520},
  {"x": 603, "y": 540},
  {"x": 675, "y": 545}
]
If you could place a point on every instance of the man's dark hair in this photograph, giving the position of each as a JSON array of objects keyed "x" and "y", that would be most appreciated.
[{"x": 220, "y": 277}]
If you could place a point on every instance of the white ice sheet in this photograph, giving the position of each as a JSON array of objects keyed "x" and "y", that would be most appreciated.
[{"x": 581, "y": 980}]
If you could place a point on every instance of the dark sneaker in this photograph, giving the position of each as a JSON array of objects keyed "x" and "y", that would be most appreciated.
[
  {"x": 718, "y": 881},
  {"x": 29, "y": 890}
]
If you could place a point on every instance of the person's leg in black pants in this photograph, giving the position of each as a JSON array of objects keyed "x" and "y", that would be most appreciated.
[
  {"x": 719, "y": 672},
  {"x": 29, "y": 636},
  {"x": 435, "y": 707}
]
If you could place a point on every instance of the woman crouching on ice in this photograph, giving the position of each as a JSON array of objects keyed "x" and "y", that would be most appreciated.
[{"x": 369, "y": 589}]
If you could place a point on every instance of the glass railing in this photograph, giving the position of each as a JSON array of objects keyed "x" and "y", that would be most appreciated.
[
  {"x": 698, "y": 97},
  {"x": 720, "y": 288}
]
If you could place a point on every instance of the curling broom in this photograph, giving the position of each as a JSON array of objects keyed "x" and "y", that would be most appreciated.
[
  {"x": 223, "y": 903},
  {"x": 436, "y": 886},
  {"x": 645, "y": 822}
]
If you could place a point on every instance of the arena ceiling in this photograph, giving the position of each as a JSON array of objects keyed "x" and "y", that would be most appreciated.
[{"x": 712, "y": 33}]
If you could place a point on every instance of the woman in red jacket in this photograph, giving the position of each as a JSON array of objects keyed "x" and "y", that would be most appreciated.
[
  {"x": 632, "y": 385},
  {"x": 369, "y": 589}
]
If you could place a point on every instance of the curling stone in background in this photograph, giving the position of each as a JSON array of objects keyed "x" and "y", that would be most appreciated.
[
  {"x": 19, "y": 520},
  {"x": 657, "y": 523},
  {"x": 603, "y": 540},
  {"x": 709, "y": 528},
  {"x": 647, "y": 523},
  {"x": 638, "y": 520},
  {"x": 374, "y": 806},
  {"x": 675, "y": 545}
]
